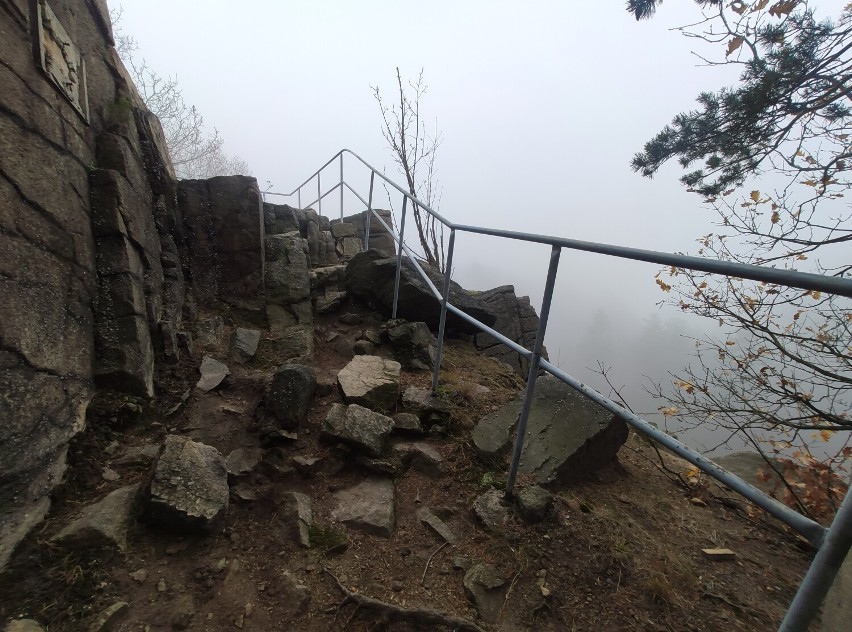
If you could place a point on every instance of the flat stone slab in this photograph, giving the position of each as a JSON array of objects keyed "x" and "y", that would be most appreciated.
[
  {"x": 437, "y": 525},
  {"x": 103, "y": 524},
  {"x": 371, "y": 381},
  {"x": 243, "y": 461},
  {"x": 568, "y": 435},
  {"x": 212, "y": 372},
  {"x": 190, "y": 486},
  {"x": 420, "y": 455},
  {"x": 361, "y": 427},
  {"x": 368, "y": 507},
  {"x": 298, "y": 517}
]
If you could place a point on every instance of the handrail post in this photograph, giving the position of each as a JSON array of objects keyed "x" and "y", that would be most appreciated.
[
  {"x": 341, "y": 186},
  {"x": 319, "y": 194},
  {"x": 369, "y": 212},
  {"x": 823, "y": 569},
  {"x": 300, "y": 198},
  {"x": 399, "y": 257},
  {"x": 443, "y": 322},
  {"x": 533, "y": 374}
]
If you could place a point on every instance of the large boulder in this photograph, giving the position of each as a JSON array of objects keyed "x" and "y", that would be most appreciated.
[
  {"x": 370, "y": 277},
  {"x": 189, "y": 491},
  {"x": 370, "y": 381},
  {"x": 290, "y": 394},
  {"x": 516, "y": 319},
  {"x": 568, "y": 435},
  {"x": 365, "y": 429}
]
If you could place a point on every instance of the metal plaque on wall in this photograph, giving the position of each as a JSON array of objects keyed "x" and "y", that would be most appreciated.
[{"x": 60, "y": 59}]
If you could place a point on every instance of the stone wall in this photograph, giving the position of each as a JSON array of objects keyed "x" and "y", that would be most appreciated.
[
  {"x": 89, "y": 262},
  {"x": 224, "y": 221}
]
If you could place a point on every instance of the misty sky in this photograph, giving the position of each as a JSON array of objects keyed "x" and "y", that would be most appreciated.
[{"x": 540, "y": 105}]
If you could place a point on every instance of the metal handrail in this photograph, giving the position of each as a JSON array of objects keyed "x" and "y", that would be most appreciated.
[{"x": 833, "y": 543}]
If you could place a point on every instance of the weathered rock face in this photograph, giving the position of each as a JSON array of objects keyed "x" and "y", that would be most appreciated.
[
  {"x": 516, "y": 319},
  {"x": 282, "y": 218},
  {"x": 224, "y": 220},
  {"x": 287, "y": 269},
  {"x": 189, "y": 491},
  {"x": 87, "y": 244},
  {"x": 568, "y": 435},
  {"x": 370, "y": 278},
  {"x": 370, "y": 381},
  {"x": 379, "y": 237}
]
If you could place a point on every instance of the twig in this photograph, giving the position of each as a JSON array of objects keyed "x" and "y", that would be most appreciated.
[
  {"x": 756, "y": 613},
  {"x": 429, "y": 561},
  {"x": 422, "y": 615},
  {"x": 509, "y": 591}
]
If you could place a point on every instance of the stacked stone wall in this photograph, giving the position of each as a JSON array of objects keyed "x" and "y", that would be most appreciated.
[{"x": 87, "y": 247}]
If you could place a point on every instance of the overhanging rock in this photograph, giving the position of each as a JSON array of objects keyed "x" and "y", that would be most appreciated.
[
  {"x": 370, "y": 277},
  {"x": 568, "y": 435}
]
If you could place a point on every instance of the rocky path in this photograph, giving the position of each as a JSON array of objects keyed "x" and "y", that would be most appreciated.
[{"x": 298, "y": 474}]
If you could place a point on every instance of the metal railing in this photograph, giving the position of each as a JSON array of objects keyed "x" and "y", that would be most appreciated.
[{"x": 832, "y": 543}]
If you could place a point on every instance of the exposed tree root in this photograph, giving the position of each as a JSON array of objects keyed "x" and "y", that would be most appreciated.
[{"x": 390, "y": 611}]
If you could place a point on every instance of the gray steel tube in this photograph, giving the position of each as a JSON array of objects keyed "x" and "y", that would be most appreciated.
[
  {"x": 823, "y": 570},
  {"x": 399, "y": 258},
  {"x": 442, "y": 323},
  {"x": 533, "y": 374}
]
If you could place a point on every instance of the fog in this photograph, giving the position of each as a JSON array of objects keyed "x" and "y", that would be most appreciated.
[{"x": 540, "y": 106}]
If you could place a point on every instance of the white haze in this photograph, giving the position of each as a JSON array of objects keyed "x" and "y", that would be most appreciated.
[{"x": 541, "y": 106}]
